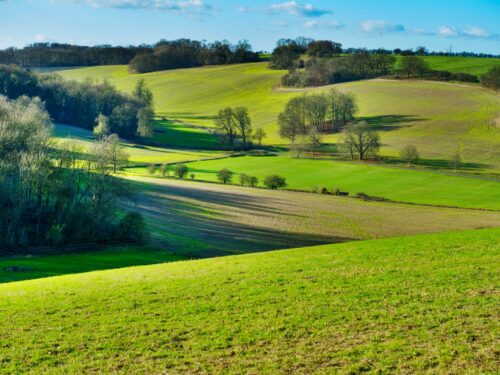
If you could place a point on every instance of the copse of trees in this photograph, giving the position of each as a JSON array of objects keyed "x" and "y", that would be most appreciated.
[
  {"x": 235, "y": 126},
  {"x": 56, "y": 196},
  {"x": 360, "y": 142},
  {"x": 309, "y": 116},
  {"x": 80, "y": 104},
  {"x": 186, "y": 53}
]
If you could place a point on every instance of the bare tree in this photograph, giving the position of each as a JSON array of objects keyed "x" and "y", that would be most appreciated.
[{"x": 360, "y": 141}]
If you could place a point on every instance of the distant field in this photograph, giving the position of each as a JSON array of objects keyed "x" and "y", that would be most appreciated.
[
  {"x": 138, "y": 154},
  {"x": 471, "y": 65},
  {"x": 417, "y": 304},
  {"x": 199, "y": 219},
  {"x": 434, "y": 116},
  {"x": 397, "y": 184},
  {"x": 23, "y": 267}
]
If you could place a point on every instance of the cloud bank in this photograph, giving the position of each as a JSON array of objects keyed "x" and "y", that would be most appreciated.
[{"x": 291, "y": 7}]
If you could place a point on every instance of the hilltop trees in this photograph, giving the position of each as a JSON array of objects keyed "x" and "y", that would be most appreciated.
[
  {"x": 360, "y": 142},
  {"x": 413, "y": 66},
  {"x": 54, "y": 196}
]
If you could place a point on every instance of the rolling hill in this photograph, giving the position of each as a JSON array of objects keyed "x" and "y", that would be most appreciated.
[
  {"x": 437, "y": 117},
  {"x": 415, "y": 304}
]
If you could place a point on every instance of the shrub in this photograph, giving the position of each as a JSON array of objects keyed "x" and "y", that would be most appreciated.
[
  {"x": 164, "y": 170},
  {"x": 225, "y": 175},
  {"x": 253, "y": 181},
  {"x": 132, "y": 228},
  {"x": 192, "y": 176},
  {"x": 492, "y": 78},
  {"x": 324, "y": 190},
  {"x": 181, "y": 170},
  {"x": 275, "y": 182},
  {"x": 151, "y": 169}
]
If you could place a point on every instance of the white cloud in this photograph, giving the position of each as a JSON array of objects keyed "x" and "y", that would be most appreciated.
[
  {"x": 477, "y": 32},
  {"x": 381, "y": 27},
  {"x": 447, "y": 31},
  {"x": 314, "y": 24},
  {"x": 39, "y": 38},
  {"x": 184, "y": 6},
  {"x": 290, "y": 7}
]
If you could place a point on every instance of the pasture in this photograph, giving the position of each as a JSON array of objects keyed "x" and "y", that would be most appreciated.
[
  {"x": 138, "y": 154},
  {"x": 200, "y": 220},
  {"x": 437, "y": 117},
  {"x": 398, "y": 184},
  {"x": 457, "y": 64},
  {"x": 413, "y": 304}
]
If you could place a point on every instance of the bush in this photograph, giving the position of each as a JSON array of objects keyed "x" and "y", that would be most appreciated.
[
  {"x": 181, "y": 170},
  {"x": 132, "y": 228},
  {"x": 324, "y": 190},
  {"x": 275, "y": 182},
  {"x": 151, "y": 169},
  {"x": 492, "y": 78},
  {"x": 193, "y": 176},
  {"x": 225, "y": 176}
]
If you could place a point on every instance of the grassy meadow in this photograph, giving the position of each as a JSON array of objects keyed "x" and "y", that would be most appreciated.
[
  {"x": 413, "y": 304},
  {"x": 436, "y": 117},
  {"x": 457, "y": 64},
  {"x": 138, "y": 154},
  {"x": 398, "y": 184}
]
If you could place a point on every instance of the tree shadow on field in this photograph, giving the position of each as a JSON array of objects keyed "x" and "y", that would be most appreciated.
[
  {"x": 391, "y": 122},
  {"x": 200, "y": 222}
]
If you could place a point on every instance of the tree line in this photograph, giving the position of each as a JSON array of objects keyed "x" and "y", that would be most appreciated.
[
  {"x": 79, "y": 104},
  {"x": 52, "y": 196},
  {"x": 186, "y": 53}
]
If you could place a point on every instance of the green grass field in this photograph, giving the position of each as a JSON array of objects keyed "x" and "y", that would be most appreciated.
[
  {"x": 457, "y": 64},
  {"x": 139, "y": 154},
  {"x": 436, "y": 117},
  {"x": 398, "y": 184},
  {"x": 23, "y": 267},
  {"x": 404, "y": 305}
]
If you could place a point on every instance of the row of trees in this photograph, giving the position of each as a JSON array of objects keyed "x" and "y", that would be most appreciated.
[
  {"x": 57, "y": 196},
  {"x": 79, "y": 104},
  {"x": 310, "y": 116},
  {"x": 323, "y": 71},
  {"x": 235, "y": 128},
  {"x": 186, "y": 53}
]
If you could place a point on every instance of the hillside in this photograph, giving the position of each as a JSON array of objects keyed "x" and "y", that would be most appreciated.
[
  {"x": 413, "y": 304},
  {"x": 457, "y": 64},
  {"x": 436, "y": 117}
]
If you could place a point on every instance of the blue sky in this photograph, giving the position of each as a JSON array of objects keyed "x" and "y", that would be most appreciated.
[{"x": 437, "y": 24}]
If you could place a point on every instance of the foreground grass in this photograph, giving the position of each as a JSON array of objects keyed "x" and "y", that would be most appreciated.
[
  {"x": 24, "y": 267},
  {"x": 412, "y": 304},
  {"x": 397, "y": 184},
  {"x": 201, "y": 220},
  {"x": 437, "y": 117}
]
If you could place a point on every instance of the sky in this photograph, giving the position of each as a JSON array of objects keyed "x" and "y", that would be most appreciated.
[{"x": 439, "y": 25}]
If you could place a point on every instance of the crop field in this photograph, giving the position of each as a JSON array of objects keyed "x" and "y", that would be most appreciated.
[
  {"x": 199, "y": 220},
  {"x": 437, "y": 117},
  {"x": 138, "y": 154},
  {"x": 398, "y": 184},
  {"x": 413, "y": 304}
]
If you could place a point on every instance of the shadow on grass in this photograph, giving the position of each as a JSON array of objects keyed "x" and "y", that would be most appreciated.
[
  {"x": 202, "y": 223},
  {"x": 442, "y": 164},
  {"x": 390, "y": 122}
]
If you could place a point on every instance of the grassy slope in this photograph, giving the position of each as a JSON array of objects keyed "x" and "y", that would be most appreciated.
[
  {"x": 434, "y": 116},
  {"x": 200, "y": 219},
  {"x": 386, "y": 305},
  {"x": 471, "y": 65},
  {"x": 25, "y": 267},
  {"x": 138, "y": 154},
  {"x": 403, "y": 185}
]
